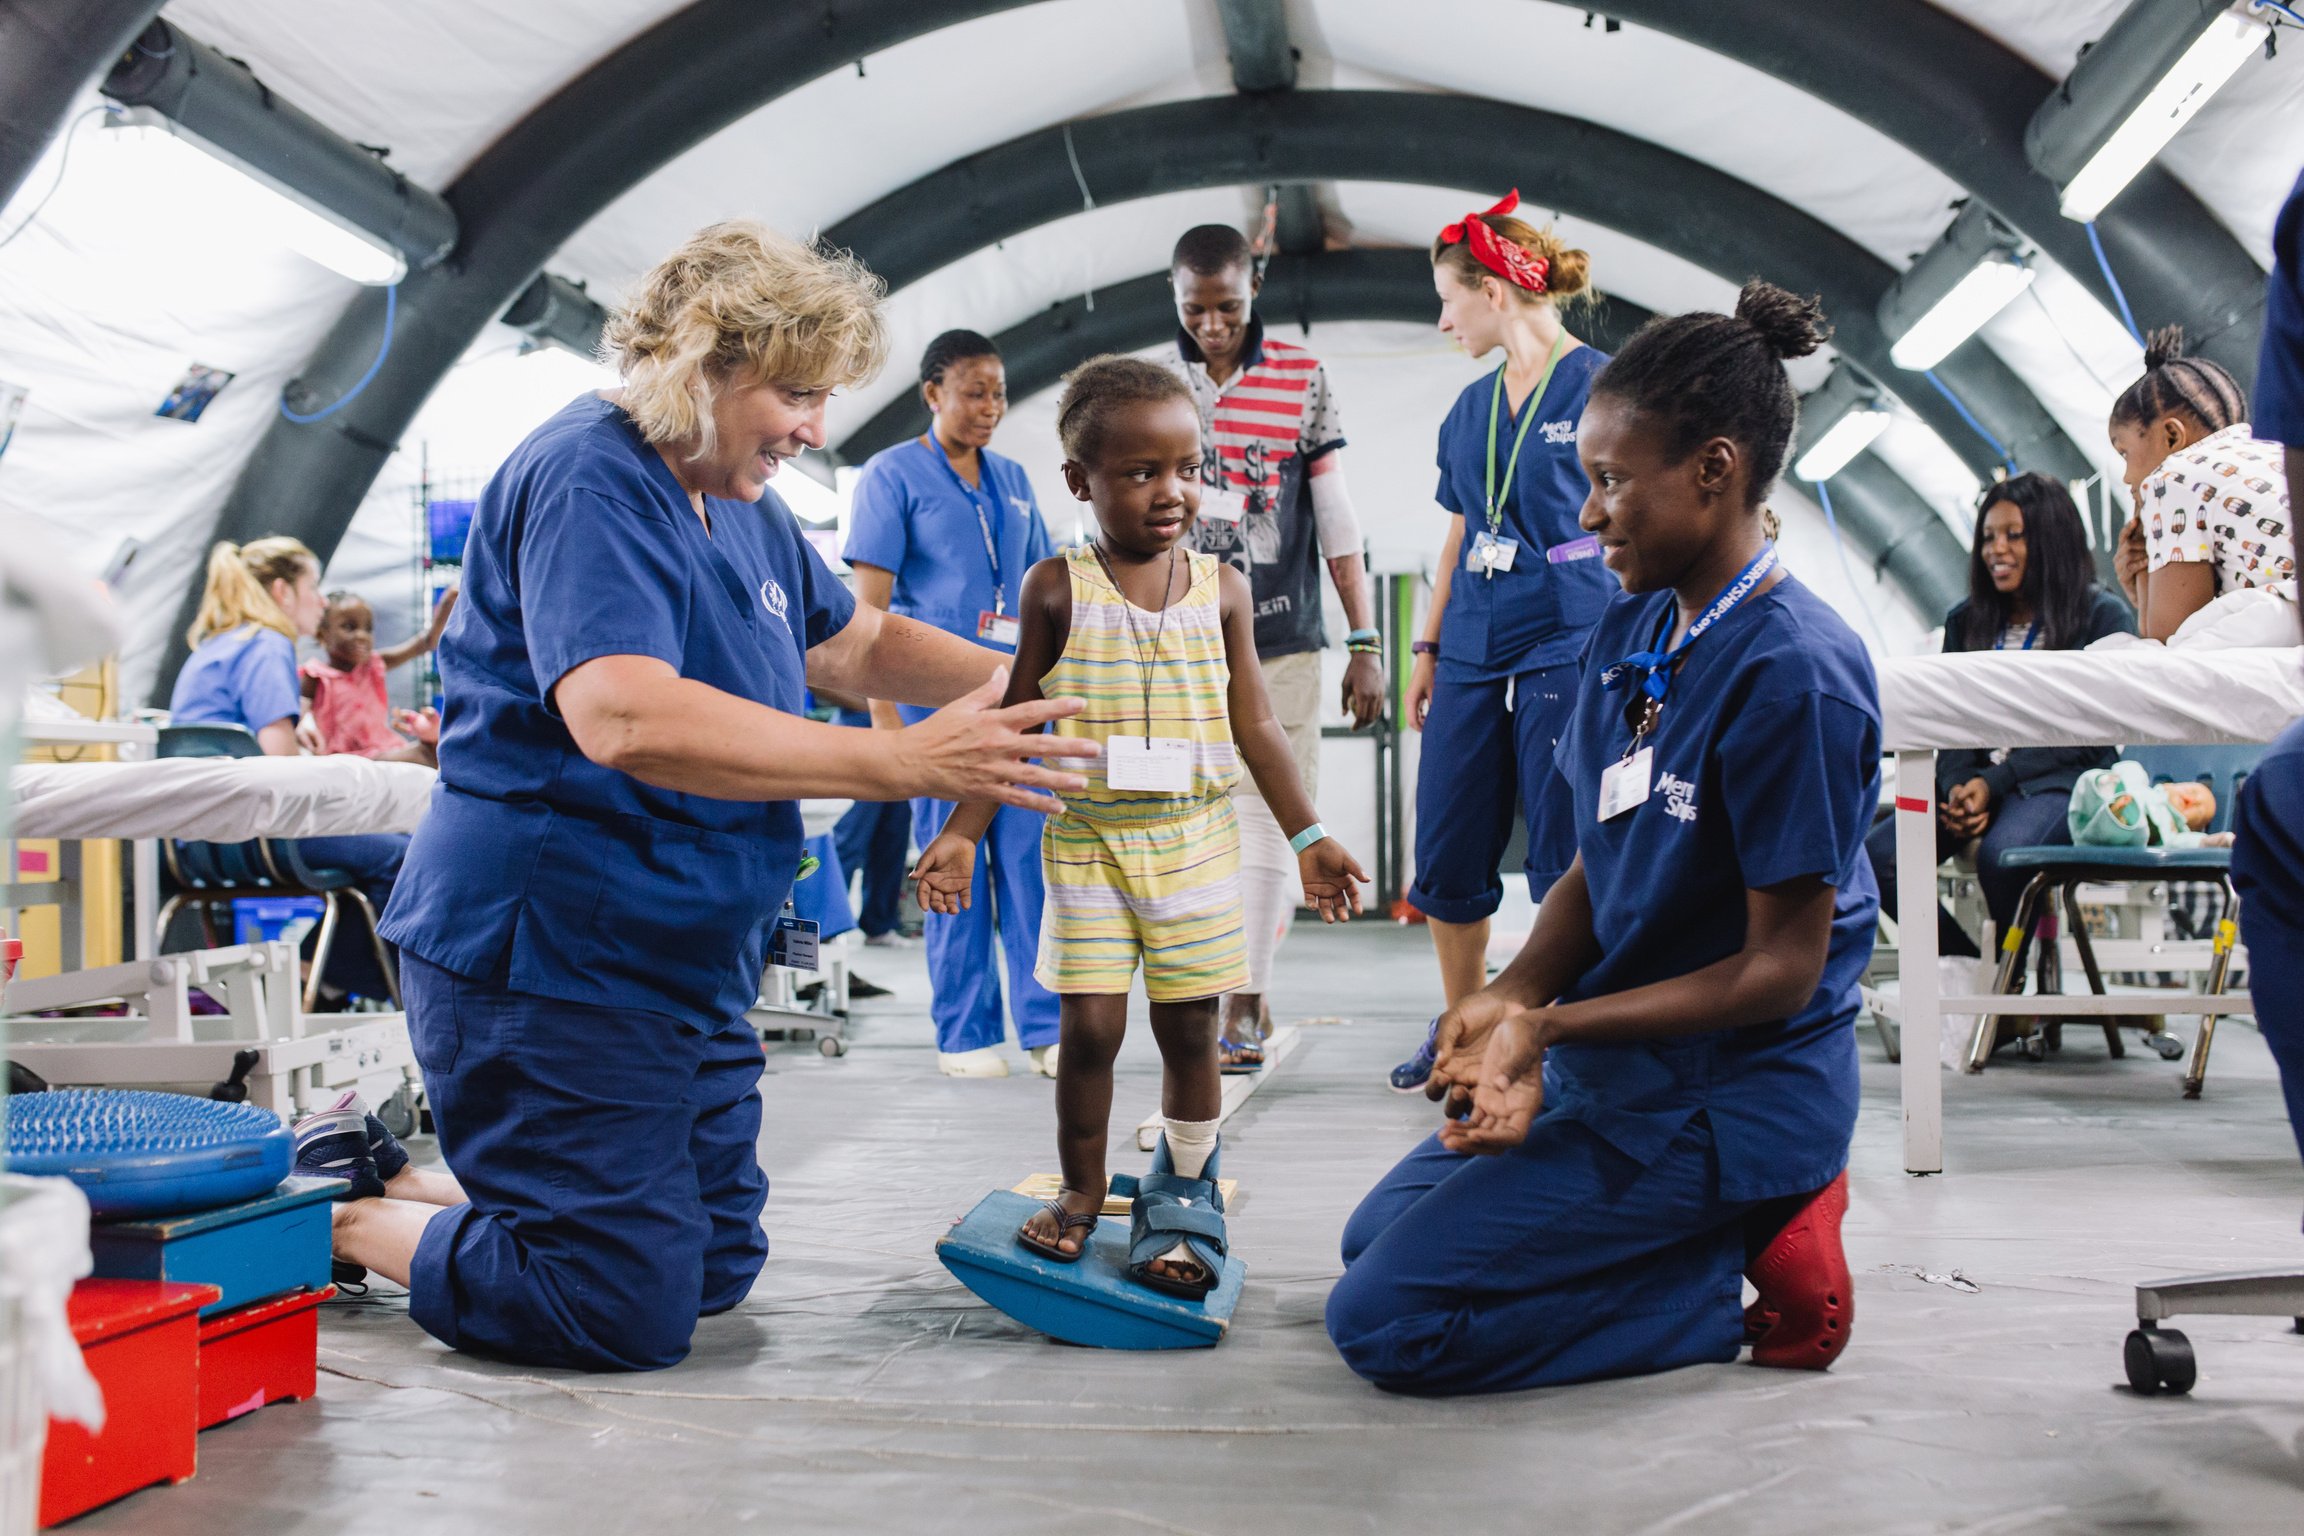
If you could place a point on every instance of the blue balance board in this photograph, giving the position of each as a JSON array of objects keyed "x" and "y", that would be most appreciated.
[
  {"x": 268, "y": 1246},
  {"x": 135, "y": 1153},
  {"x": 1089, "y": 1301}
]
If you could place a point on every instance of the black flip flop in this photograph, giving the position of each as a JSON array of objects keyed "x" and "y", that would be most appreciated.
[{"x": 1066, "y": 1221}]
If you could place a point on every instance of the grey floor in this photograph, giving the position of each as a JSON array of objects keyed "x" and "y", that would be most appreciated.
[{"x": 861, "y": 1389}]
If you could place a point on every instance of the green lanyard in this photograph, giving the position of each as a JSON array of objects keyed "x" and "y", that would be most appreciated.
[{"x": 1527, "y": 415}]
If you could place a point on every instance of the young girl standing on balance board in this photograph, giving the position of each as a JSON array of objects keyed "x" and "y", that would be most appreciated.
[
  {"x": 1655, "y": 1098},
  {"x": 1145, "y": 864}
]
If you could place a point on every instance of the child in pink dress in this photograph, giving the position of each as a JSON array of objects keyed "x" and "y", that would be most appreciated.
[{"x": 344, "y": 702}]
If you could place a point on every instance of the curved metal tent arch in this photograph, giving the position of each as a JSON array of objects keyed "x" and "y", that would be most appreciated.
[
  {"x": 1886, "y": 519},
  {"x": 1960, "y": 100},
  {"x": 715, "y": 61},
  {"x": 1641, "y": 189}
]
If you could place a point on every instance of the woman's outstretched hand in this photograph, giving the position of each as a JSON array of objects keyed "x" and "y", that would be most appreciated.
[
  {"x": 1507, "y": 1090},
  {"x": 973, "y": 749},
  {"x": 1332, "y": 880}
]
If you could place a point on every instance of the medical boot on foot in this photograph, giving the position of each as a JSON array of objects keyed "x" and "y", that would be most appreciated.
[
  {"x": 333, "y": 1143},
  {"x": 1807, "y": 1302},
  {"x": 984, "y": 1061}
]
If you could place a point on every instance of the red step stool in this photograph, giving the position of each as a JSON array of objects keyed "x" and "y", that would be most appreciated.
[
  {"x": 141, "y": 1339},
  {"x": 265, "y": 1352}
]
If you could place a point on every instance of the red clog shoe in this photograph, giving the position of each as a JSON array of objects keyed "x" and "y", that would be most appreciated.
[{"x": 1807, "y": 1301}]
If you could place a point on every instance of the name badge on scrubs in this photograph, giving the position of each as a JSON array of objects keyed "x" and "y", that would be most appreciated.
[
  {"x": 997, "y": 628},
  {"x": 1223, "y": 506},
  {"x": 1162, "y": 763},
  {"x": 793, "y": 944},
  {"x": 1490, "y": 553},
  {"x": 1624, "y": 784}
]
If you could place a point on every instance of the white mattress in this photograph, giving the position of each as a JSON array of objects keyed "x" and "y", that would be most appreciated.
[
  {"x": 2135, "y": 696},
  {"x": 220, "y": 799}
]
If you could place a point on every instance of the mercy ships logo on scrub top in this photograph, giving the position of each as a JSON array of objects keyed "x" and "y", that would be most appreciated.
[
  {"x": 772, "y": 595},
  {"x": 1679, "y": 797}
]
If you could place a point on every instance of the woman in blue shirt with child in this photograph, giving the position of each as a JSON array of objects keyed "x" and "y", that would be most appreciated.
[{"x": 1656, "y": 1097}]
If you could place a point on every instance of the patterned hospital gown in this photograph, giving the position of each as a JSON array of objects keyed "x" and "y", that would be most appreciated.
[{"x": 2223, "y": 501}]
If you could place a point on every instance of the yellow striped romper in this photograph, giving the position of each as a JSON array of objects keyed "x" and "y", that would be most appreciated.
[{"x": 1136, "y": 873}]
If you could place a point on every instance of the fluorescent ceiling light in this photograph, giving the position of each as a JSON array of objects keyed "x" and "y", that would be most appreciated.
[
  {"x": 1842, "y": 441},
  {"x": 259, "y": 207},
  {"x": 2202, "y": 70},
  {"x": 1987, "y": 289}
]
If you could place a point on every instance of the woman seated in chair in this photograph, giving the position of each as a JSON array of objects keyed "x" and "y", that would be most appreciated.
[
  {"x": 260, "y": 598},
  {"x": 2031, "y": 586}
]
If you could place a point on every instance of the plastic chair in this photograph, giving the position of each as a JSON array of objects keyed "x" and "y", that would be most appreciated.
[
  {"x": 209, "y": 875},
  {"x": 2223, "y": 769}
]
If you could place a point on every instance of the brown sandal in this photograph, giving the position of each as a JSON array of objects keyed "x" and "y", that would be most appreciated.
[{"x": 1066, "y": 1222}]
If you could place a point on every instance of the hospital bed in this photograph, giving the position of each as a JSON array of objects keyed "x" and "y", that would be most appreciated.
[
  {"x": 262, "y": 1040},
  {"x": 2136, "y": 696}
]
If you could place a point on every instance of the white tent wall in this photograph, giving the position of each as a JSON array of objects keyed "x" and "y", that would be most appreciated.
[{"x": 98, "y": 329}]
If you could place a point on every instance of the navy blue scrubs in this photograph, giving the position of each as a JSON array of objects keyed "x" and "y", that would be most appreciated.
[
  {"x": 581, "y": 946},
  {"x": 1611, "y": 1241},
  {"x": 914, "y": 516},
  {"x": 1509, "y": 644}
]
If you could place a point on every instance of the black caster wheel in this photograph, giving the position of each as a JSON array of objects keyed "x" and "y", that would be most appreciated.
[
  {"x": 832, "y": 1045},
  {"x": 399, "y": 1113},
  {"x": 2160, "y": 1360}
]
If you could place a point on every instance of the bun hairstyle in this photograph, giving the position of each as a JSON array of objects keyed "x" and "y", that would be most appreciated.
[
  {"x": 238, "y": 589},
  {"x": 1102, "y": 386},
  {"x": 2175, "y": 384},
  {"x": 1568, "y": 271},
  {"x": 954, "y": 347},
  {"x": 1705, "y": 375}
]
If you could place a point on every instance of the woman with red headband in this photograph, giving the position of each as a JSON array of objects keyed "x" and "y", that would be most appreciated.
[{"x": 1518, "y": 589}]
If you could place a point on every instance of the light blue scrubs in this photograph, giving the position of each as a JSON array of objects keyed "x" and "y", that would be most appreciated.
[{"x": 959, "y": 551}]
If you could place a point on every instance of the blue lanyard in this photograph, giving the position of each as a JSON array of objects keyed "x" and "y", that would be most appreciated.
[
  {"x": 1658, "y": 663},
  {"x": 2031, "y": 633},
  {"x": 977, "y": 495}
]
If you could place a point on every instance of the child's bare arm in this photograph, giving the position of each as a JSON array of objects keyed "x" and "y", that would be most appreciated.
[
  {"x": 1044, "y": 622},
  {"x": 419, "y": 644},
  {"x": 1332, "y": 877}
]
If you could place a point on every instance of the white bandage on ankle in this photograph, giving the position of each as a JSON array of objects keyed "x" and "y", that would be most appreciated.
[{"x": 1190, "y": 1143}]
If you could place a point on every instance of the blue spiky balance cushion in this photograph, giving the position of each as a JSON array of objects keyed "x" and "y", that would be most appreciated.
[
  {"x": 1090, "y": 1301},
  {"x": 135, "y": 1153}
]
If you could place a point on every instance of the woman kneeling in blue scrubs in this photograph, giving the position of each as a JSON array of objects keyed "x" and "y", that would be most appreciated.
[
  {"x": 585, "y": 913},
  {"x": 1656, "y": 1097}
]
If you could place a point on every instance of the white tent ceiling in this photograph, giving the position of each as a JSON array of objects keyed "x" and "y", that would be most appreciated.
[{"x": 125, "y": 278}]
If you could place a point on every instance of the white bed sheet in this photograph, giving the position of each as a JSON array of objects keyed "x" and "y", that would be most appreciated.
[
  {"x": 2134, "y": 696},
  {"x": 220, "y": 799}
]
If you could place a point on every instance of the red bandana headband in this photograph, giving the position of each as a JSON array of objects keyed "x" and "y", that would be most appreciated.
[{"x": 1500, "y": 256}]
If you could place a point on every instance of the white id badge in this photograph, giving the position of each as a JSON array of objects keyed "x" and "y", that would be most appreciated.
[
  {"x": 1491, "y": 553},
  {"x": 1624, "y": 784},
  {"x": 1162, "y": 764},
  {"x": 793, "y": 944},
  {"x": 1222, "y": 506},
  {"x": 997, "y": 628}
]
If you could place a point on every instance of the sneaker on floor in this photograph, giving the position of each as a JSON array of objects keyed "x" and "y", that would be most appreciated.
[
  {"x": 1044, "y": 1058},
  {"x": 985, "y": 1061},
  {"x": 333, "y": 1144},
  {"x": 893, "y": 939},
  {"x": 1411, "y": 1075}
]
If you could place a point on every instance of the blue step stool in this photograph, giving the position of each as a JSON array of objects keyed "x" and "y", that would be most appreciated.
[
  {"x": 135, "y": 1153},
  {"x": 255, "y": 1249},
  {"x": 1090, "y": 1301}
]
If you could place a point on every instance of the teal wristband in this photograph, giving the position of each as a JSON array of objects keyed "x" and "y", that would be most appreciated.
[
  {"x": 1307, "y": 838},
  {"x": 1364, "y": 637}
]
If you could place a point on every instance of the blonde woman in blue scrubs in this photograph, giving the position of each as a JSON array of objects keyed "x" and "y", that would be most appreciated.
[{"x": 585, "y": 913}]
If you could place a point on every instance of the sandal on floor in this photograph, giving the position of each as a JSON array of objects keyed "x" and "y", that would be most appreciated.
[
  {"x": 1169, "y": 1210},
  {"x": 1235, "y": 1058},
  {"x": 1066, "y": 1223}
]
